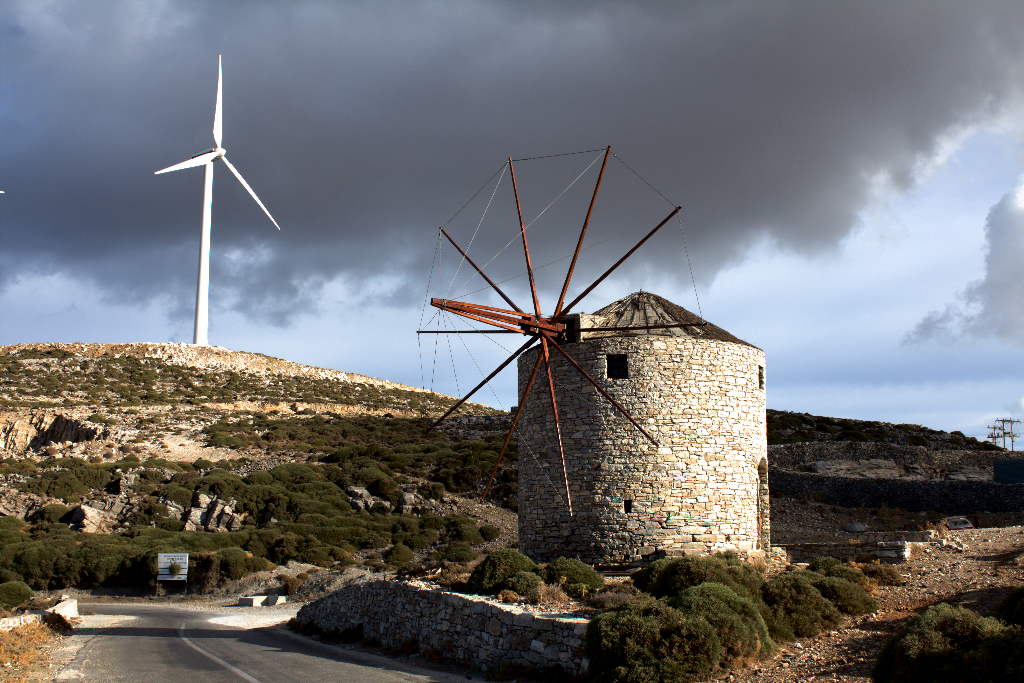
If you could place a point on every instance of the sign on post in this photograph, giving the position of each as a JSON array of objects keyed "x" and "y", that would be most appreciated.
[{"x": 172, "y": 566}]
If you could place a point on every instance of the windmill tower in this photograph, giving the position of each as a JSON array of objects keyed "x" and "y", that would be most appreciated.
[
  {"x": 645, "y": 434},
  {"x": 698, "y": 390}
]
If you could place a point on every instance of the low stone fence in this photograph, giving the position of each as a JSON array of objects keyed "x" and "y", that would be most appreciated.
[
  {"x": 11, "y": 623},
  {"x": 884, "y": 546},
  {"x": 471, "y": 629},
  {"x": 793, "y": 455},
  {"x": 950, "y": 497}
]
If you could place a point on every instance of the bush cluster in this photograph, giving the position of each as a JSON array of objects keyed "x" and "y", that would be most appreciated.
[
  {"x": 13, "y": 593},
  {"x": 1012, "y": 609},
  {"x": 576, "y": 578},
  {"x": 727, "y": 604},
  {"x": 490, "y": 575},
  {"x": 949, "y": 643},
  {"x": 398, "y": 445},
  {"x": 646, "y": 640}
]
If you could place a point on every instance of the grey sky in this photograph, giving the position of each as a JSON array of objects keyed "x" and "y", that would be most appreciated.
[{"x": 364, "y": 126}]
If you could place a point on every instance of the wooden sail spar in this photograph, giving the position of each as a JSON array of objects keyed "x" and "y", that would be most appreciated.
[{"x": 543, "y": 331}]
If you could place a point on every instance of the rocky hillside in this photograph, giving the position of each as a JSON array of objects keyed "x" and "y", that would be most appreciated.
[
  {"x": 114, "y": 452},
  {"x": 785, "y": 427}
]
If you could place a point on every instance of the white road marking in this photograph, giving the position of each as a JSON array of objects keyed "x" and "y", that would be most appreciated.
[{"x": 227, "y": 665}]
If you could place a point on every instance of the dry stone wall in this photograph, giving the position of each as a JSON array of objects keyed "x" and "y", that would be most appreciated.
[
  {"x": 11, "y": 623},
  {"x": 470, "y": 629},
  {"x": 698, "y": 491},
  {"x": 950, "y": 496},
  {"x": 887, "y": 547},
  {"x": 794, "y": 456}
]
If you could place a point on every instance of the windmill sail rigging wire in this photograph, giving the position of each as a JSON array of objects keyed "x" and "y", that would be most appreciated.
[
  {"x": 423, "y": 311},
  {"x": 479, "y": 223},
  {"x": 567, "y": 256},
  {"x": 527, "y": 226},
  {"x": 546, "y": 330}
]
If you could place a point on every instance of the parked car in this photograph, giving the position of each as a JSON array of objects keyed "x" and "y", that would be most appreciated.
[{"x": 958, "y": 523}]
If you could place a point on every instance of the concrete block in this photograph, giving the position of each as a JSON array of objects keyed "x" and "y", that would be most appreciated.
[{"x": 252, "y": 601}]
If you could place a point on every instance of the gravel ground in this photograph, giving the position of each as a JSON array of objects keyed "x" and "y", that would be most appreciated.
[{"x": 976, "y": 569}]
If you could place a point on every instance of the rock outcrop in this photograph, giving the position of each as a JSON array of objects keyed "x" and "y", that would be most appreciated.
[
  {"x": 14, "y": 503},
  {"x": 209, "y": 513},
  {"x": 26, "y": 430},
  {"x": 93, "y": 520}
]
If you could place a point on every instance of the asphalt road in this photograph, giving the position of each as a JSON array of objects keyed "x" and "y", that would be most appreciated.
[{"x": 168, "y": 645}]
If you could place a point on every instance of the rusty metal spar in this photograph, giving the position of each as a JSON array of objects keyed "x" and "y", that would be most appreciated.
[{"x": 543, "y": 328}]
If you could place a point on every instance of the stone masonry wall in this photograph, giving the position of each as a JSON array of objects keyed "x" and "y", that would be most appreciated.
[
  {"x": 950, "y": 497},
  {"x": 792, "y": 456},
  {"x": 884, "y": 546},
  {"x": 699, "y": 491},
  {"x": 470, "y": 629}
]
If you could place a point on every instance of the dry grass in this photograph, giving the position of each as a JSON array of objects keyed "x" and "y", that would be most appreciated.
[
  {"x": 547, "y": 595},
  {"x": 23, "y": 653}
]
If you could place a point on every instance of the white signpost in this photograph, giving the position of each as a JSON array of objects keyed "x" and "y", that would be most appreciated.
[{"x": 165, "y": 562}]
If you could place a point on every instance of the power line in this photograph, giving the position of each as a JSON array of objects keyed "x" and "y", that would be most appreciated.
[{"x": 1003, "y": 430}]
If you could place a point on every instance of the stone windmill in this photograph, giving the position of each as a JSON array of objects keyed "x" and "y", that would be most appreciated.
[
  {"x": 698, "y": 390},
  {"x": 651, "y": 419}
]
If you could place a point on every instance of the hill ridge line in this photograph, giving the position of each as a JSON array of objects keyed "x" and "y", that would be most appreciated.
[{"x": 210, "y": 357}]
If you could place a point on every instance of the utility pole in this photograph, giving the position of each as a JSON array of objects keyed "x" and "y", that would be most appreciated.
[{"x": 1003, "y": 430}]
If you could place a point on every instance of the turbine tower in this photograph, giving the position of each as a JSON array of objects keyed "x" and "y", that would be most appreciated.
[{"x": 207, "y": 158}]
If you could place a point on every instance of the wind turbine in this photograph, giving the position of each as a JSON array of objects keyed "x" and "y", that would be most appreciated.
[{"x": 207, "y": 158}]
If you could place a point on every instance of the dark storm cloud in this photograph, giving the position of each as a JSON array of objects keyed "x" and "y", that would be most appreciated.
[{"x": 365, "y": 126}]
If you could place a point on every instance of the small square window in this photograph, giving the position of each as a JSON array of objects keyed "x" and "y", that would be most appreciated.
[
  {"x": 618, "y": 368},
  {"x": 627, "y": 506}
]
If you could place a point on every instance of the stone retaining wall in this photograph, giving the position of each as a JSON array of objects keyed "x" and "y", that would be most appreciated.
[
  {"x": 950, "y": 497},
  {"x": 883, "y": 551},
  {"x": 11, "y": 623},
  {"x": 471, "y": 629},
  {"x": 884, "y": 546},
  {"x": 793, "y": 455}
]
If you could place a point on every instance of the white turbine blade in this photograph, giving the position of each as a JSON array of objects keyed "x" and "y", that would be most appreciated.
[
  {"x": 246, "y": 186},
  {"x": 198, "y": 160},
  {"x": 217, "y": 130}
]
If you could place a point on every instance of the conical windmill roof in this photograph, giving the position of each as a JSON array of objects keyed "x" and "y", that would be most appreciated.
[{"x": 644, "y": 308}]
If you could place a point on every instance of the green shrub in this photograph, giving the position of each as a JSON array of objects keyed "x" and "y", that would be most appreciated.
[
  {"x": 52, "y": 513},
  {"x": 8, "y": 523},
  {"x": 830, "y": 566},
  {"x": 177, "y": 494},
  {"x": 13, "y": 593},
  {"x": 234, "y": 563},
  {"x": 466, "y": 532},
  {"x": 1012, "y": 609},
  {"x": 949, "y": 643},
  {"x": 613, "y": 595},
  {"x": 566, "y": 571},
  {"x": 645, "y": 640},
  {"x": 521, "y": 582},
  {"x": 848, "y": 597},
  {"x": 489, "y": 532},
  {"x": 663, "y": 578},
  {"x": 399, "y": 554},
  {"x": 488, "y": 577},
  {"x": 883, "y": 574},
  {"x": 458, "y": 552},
  {"x": 738, "y": 623},
  {"x": 798, "y": 609}
]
